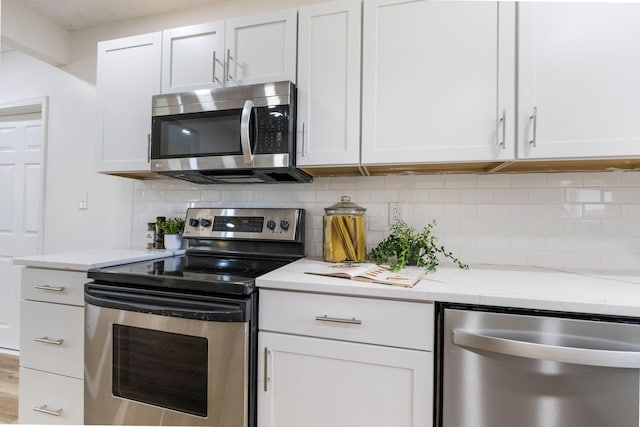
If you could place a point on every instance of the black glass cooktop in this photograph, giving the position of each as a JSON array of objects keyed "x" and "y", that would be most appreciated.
[{"x": 206, "y": 274}]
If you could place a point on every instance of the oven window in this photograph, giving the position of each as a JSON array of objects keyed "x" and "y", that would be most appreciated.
[
  {"x": 198, "y": 134},
  {"x": 161, "y": 368}
]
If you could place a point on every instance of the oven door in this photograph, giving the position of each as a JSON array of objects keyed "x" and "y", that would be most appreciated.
[{"x": 151, "y": 369}]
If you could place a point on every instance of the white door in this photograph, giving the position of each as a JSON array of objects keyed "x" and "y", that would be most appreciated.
[
  {"x": 193, "y": 57},
  {"x": 437, "y": 80},
  {"x": 261, "y": 49},
  {"x": 578, "y": 68},
  {"x": 329, "y": 84},
  {"x": 22, "y": 147},
  {"x": 315, "y": 382}
]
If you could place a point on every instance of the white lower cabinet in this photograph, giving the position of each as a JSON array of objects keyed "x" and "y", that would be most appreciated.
[
  {"x": 51, "y": 347},
  {"x": 323, "y": 370},
  {"x": 47, "y": 398}
]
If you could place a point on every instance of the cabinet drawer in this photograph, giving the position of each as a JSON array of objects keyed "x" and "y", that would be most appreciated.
[
  {"x": 61, "y": 395},
  {"x": 52, "y": 338},
  {"x": 65, "y": 287},
  {"x": 374, "y": 321}
]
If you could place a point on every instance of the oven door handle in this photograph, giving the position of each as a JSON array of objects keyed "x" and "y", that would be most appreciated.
[
  {"x": 556, "y": 353},
  {"x": 182, "y": 306},
  {"x": 245, "y": 137}
]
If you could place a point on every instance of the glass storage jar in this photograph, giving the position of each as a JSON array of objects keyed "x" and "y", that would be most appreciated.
[{"x": 344, "y": 232}]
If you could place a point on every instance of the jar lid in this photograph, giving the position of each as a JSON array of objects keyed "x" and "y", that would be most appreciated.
[{"x": 345, "y": 207}]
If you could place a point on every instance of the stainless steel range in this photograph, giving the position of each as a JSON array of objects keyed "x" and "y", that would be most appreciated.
[{"x": 174, "y": 341}]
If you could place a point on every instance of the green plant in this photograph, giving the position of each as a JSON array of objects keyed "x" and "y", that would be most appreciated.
[
  {"x": 172, "y": 226},
  {"x": 407, "y": 246}
]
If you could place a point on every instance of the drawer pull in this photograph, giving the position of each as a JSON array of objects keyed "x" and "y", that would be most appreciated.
[
  {"x": 46, "y": 340},
  {"x": 50, "y": 288},
  {"x": 48, "y": 411},
  {"x": 352, "y": 321}
]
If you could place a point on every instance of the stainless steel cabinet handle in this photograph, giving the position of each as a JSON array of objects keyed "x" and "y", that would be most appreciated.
[
  {"x": 266, "y": 373},
  {"x": 50, "y": 288},
  {"x": 352, "y": 321},
  {"x": 229, "y": 57},
  {"x": 48, "y": 411},
  {"x": 148, "y": 148},
  {"x": 502, "y": 126},
  {"x": 304, "y": 145},
  {"x": 245, "y": 141},
  {"x": 576, "y": 355},
  {"x": 534, "y": 122},
  {"x": 46, "y": 340}
]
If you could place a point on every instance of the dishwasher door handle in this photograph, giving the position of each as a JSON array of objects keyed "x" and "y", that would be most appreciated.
[{"x": 575, "y": 355}]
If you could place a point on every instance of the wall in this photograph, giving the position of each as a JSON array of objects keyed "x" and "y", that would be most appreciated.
[
  {"x": 558, "y": 220},
  {"x": 69, "y": 159}
]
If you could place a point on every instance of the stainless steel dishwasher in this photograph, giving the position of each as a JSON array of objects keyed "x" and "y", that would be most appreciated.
[{"x": 509, "y": 367}]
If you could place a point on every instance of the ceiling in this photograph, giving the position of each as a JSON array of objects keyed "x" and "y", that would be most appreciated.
[{"x": 78, "y": 14}]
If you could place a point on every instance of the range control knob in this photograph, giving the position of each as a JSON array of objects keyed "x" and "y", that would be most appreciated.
[
  {"x": 271, "y": 224},
  {"x": 284, "y": 224},
  {"x": 194, "y": 222},
  {"x": 205, "y": 222}
]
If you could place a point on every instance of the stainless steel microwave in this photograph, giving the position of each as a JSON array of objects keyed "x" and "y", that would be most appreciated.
[{"x": 241, "y": 134}]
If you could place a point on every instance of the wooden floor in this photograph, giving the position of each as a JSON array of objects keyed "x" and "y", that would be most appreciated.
[{"x": 8, "y": 389}]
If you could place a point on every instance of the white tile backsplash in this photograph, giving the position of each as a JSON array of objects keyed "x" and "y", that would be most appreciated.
[{"x": 588, "y": 220}]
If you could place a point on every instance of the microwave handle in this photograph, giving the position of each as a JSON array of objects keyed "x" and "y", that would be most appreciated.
[{"x": 245, "y": 141}]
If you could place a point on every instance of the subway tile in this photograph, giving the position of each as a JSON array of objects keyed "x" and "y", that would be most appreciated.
[
  {"x": 528, "y": 180},
  {"x": 508, "y": 257},
  {"x": 571, "y": 179},
  {"x": 211, "y": 195},
  {"x": 370, "y": 182},
  {"x": 581, "y": 260},
  {"x": 509, "y": 195},
  {"x": 429, "y": 181},
  {"x": 476, "y": 225},
  {"x": 399, "y": 181},
  {"x": 460, "y": 211},
  {"x": 583, "y": 195},
  {"x": 443, "y": 196},
  {"x": 582, "y": 227},
  {"x": 476, "y": 195},
  {"x": 563, "y": 211},
  {"x": 493, "y": 242},
  {"x": 494, "y": 181},
  {"x": 621, "y": 195},
  {"x": 347, "y": 182},
  {"x": 431, "y": 210},
  {"x": 414, "y": 196},
  {"x": 521, "y": 242},
  {"x": 603, "y": 179},
  {"x": 631, "y": 211},
  {"x": 460, "y": 181},
  {"x": 528, "y": 211},
  {"x": 631, "y": 178},
  {"x": 546, "y": 195},
  {"x": 543, "y": 227},
  {"x": 548, "y": 259},
  {"x": 496, "y": 211},
  {"x": 601, "y": 210},
  {"x": 561, "y": 243},
  {"x": 190, "y": 196},
  {"x": 384, "y": 196}
]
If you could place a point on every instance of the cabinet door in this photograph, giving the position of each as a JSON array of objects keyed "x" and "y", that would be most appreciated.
[
  {"x": 329, "y": 84},
  {"x": 578, "y": 68},
  {"x": 314, "y": 382},
  {"x": 438, "y": 81},
  {"x": 128, "y": 75},
  {"x": 261, "y": 49},
  {"x": 193, "y": 57},
  {"x": 50, "y": 399}
]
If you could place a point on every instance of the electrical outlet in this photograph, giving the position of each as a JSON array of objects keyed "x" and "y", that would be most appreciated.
[{"x": 396, "y": 212}]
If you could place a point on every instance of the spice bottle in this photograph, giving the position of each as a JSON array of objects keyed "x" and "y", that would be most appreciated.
[
  {"x": 151, "y": 235},
  {"x": 159, "y": 232},
  {"x": 344, "y": 232}
]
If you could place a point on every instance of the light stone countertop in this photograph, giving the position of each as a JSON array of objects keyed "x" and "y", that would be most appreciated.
[
  {"x": 94, "y": 258},
  {"x": 532, "y": 288}
]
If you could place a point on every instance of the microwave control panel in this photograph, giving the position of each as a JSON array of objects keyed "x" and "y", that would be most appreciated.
[{"x": 274, "y": 129}]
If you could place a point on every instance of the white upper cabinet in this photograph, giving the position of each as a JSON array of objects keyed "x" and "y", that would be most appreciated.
[
  {"x": 438, "y": 81},
  {"x": 261, "y": 49},
  {"x": 128, "y": 75},
  {"x": 249, "y": 50},
  {"x": 193, "y": 57},
  {"x": 329, "y": 39},
  {"x": 579, "y": 68}
]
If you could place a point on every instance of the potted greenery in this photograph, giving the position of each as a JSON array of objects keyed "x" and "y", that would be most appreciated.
[
  {"x": 172, "y": 229},
  {"x": 408, "y": 247}
]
